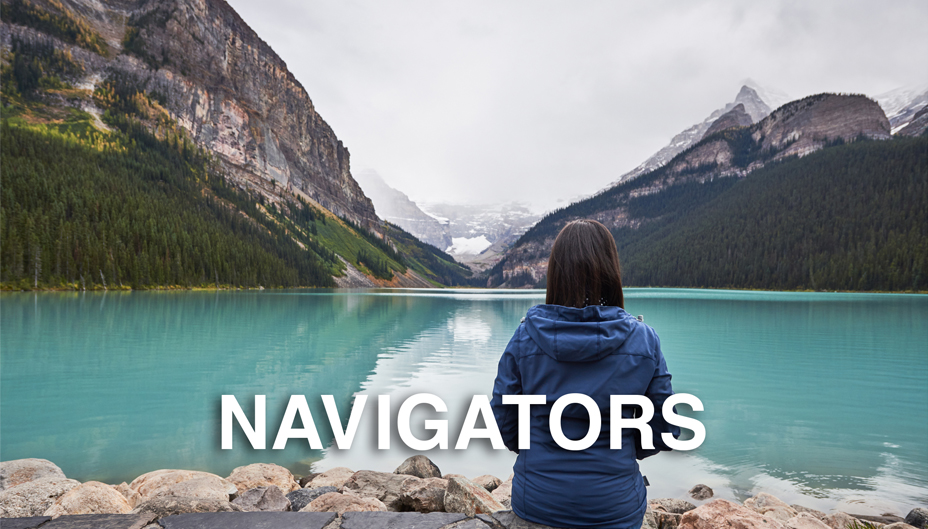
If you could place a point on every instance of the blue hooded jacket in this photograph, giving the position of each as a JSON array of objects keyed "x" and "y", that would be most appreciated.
[{"x": 597, "y": 351}]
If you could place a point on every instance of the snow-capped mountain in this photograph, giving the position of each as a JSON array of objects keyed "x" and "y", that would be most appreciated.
[
  {"x": 755, "y": 106},
  {"x": 901, "y": 104}
]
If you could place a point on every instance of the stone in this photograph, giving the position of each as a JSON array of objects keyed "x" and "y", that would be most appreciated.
[
  {"x": 917, "y": 517},
  {"x": 100, "y": 521},
  {"x": 342, "y": 503},
  {"x": 801, "y": 509},
  {"x": 418, "y": 466},
  {"x": 660, "y": 519},
  {"x": 168, "y": 505},
  {"x": 18, "y": 471},
  {"x": 488, "y": 482},
  {"x": 721, "y": 514},
  {"x": 263, "y": 475},
  {"x": 449, "y": 476},
  {"x": 162, "y": 483},
  {"x": 306, "y": 479},
  {"x": 899, "y": 525},
  {"x": 671, "y": 505},
  {"x": 805, "y": 520},
  {"x": 383, "y": 486},
  {"x": 503, "y": 493},
  {"x": 398, "y": 520},
  {"x": 248, "y": 520},
  {"x": 465, "y": 496},
  {"x": 701, "y": 492},
  {"x": 262, "y": 499},
  {"x": 334, "y": 477},
  {"x": 839, "y": 520},
  {"x": 33, "y": 498},
  {"x": 771, "y": 506},
  {"x": 470, "y": 523},
  {"x": 422, "y": 495},
  {"x": 131, "y": 496},
  {"x": 511, "y": 520},
  {"x": 29, "y": 522},
  {"x": 301, "y": 498},
  {"x": 92, "y": 497}
]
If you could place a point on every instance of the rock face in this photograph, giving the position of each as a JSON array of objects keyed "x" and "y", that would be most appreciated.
[
  {"x": 185, "y": 483},
  {"x": 419, "y": 466},
  {"x": 465, "y": 496},
  {"x": 263, "y": 499},
  {"x": 263, "y": 475},
  {"x": 33, "y": 498},
  {"x": 718, "y": 514},
  {"x": 19, "y": 471},
  {"x": 334, "y": 477},
  {"x": 736, "y": 117},
  {"x": 92, "y": 497},
  {"x": 301, "y": 498},
  {"x": 342, "y": 503}
]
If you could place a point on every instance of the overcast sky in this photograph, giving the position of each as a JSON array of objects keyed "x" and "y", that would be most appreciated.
[{"x": 542, "y": 102}]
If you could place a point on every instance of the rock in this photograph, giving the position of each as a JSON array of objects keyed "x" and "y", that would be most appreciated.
[
  {"x": 263, "y": 475},
  {"x": 465, "y": 496},
  {"x": 917, "y": 517},
  {"x": 449, "y": 476},
  {"x": 885, "y": 519},
  {"x": 801, "y": 509},
  {"x": 29, "y": 522},
  {"x": 342, "y": 503},
  {"x": 503, "y": 493},
  {"x": 170, "y": 505},
  {"x": 422, "y": 495},
  {"x": 671, "y": 505},
  {"x": 805, "y": 520},
  {"x": 839, "y": 520},
  {"x": 249, "y": 520},
  {"x": 899, "y": 525},
  {"x": 419, "y": 466},
  {"x": 306, "y": 479},
  {"x": 334, "y": 477},
  {"x": 301, "y": 498},
  {"x": 511, "y": 520},
  {"x": 262, "y": 499},
  {"x": 162, "y": 482},
  {"x": 701, "y": 492},
  {"x": 660, "y": 519},
  {"x": 771, "y": 506},
  {"x": 131, "y": 496},
  {"x": 405, "y": 520},
  {"x": 20, "y": 471},
  {"x": 92, "y": 497},
  {"x": 720, "y": 513},
  {"x": 383, "y": 486},
  {"x": 488, "y": 482},
  {"x": 33, "y": 498}
]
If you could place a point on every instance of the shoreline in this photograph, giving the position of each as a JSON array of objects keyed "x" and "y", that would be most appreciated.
[{"x": 34, "y": 492}]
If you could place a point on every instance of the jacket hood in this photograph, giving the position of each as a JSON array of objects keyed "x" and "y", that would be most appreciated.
[{"x": 570, "y": 334}]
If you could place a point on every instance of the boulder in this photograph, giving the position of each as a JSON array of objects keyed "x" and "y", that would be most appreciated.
[
  {"x": 301, "y": 498},
  {"x": 92, "y": 497},
  {"x": 262, "y": 499},
  {"x": 419, "y": 466},
  {"x": 342, "y": 503},
  {"x": 263, "y": 475},
  {"x": 899, "y": 525},
  {"x": 701, "y": 492},
  {"x": 503, "y": 493},
  {"x": 465, "y": 496},
  {"x": 334, "y": 477},
  {"x": 169, "y": 505},
  {"x": 383, "y": 486},
  {"x": 660, "y": 519},
  {"x": 18, "y": 471},
  {"x": 805, "y": 520},
  {"x": 131, "y": 496},
  {"x": 917, "y": 517},
  {"x": 771, "y": 506},
  {"x": 33, "y": 498},
  {"x": 801, "y": 509},
  {"x": 671, "y": 505},
  {"x": 157, "y": 483},
  {"x": 720, "y": 514},
  {"x": 449, "y": 476},
  {"x": 488, "y": 482},
  {"x": 306, "y": 479},
  {"x": 422, "y": 495},
  {"x": 839, "y": 520},
  {"x": 206, "y": 487}
]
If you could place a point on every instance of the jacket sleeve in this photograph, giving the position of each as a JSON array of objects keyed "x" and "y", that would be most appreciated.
[
  {"x": 658, "y": 391},
  {"x": 508, "y": 382}
]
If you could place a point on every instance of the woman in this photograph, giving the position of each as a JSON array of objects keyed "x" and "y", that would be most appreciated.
[{"x": 581, "y": 341}]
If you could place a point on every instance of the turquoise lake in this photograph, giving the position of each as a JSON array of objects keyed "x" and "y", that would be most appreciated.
[{"x": 818, "y": 398}]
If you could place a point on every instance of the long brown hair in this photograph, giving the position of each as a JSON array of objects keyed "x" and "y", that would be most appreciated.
[{"x": 584, "y": 267}]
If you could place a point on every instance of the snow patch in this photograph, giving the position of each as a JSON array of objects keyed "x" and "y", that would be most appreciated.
[{"x": 468, "y": 245}]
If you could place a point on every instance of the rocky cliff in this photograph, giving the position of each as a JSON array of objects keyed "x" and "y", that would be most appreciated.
[
  {"x": 226, "y": 87},
  {"x": 736, "y": 117}
]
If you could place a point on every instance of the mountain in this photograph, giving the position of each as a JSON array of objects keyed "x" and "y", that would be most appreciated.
[
  {"x": 736, "y": 117},
  {"x": 243, "y": 183},
  {"x": 901, "y": 105},
  {"x": 753, "y": 106},
  {"x": 717, "y": 165}
]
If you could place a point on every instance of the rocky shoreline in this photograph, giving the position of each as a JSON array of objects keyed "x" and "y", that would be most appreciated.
[{"x": 36, "y": 493}]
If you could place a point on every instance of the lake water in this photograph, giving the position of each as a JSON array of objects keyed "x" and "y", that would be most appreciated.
[{"x": 820, "y": 399}]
